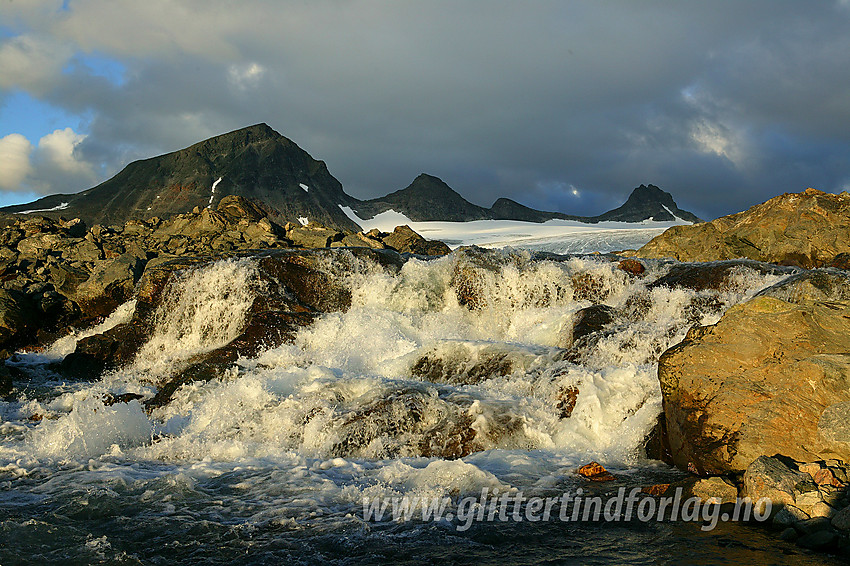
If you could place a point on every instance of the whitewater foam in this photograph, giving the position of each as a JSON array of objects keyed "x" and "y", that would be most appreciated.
[{"x": 446, "y": 377}]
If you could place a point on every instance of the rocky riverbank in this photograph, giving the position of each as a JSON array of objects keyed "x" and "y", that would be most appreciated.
[
  {"x": 762, "y": 397},
  {"x": 57, "y": 274}
]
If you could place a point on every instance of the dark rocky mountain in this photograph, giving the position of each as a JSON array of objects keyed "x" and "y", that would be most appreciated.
[
  {"x": 260, "y": 164},
  {"x": 507, "y": 209},
  {"x": 426, "y": 198},
  {"x": 255, "y": 162},
  {"x": 648, "y": 201},
  {"x": 429, "y": 198}
]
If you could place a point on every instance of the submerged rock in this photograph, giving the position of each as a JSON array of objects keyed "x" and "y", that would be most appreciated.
[
  {"x": 589, "y": 320},
  {"x": 713, "y": 275}
]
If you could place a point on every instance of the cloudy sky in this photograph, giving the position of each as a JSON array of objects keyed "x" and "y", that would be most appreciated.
[{"x": 560, "y": 105}]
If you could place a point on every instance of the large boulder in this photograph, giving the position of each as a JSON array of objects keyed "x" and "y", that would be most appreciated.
[
  {"x": 405, "y": 240},
  {"x": 772, "y": 376},
  {"x": 808, "y": 229},
  {"x": 111, "y": 283},
  {"x": 18, "y": 317}
]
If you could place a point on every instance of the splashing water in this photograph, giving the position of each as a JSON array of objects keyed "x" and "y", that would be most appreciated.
[
  {"x": 203, "y": 309},
  {"x": 447, "y": 377}
]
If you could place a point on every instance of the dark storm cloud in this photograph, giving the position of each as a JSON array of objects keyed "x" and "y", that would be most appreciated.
[{"x": 560, "y": 105}]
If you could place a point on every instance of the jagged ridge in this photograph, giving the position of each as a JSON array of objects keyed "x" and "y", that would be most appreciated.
[{"x": 260, "y": 164}]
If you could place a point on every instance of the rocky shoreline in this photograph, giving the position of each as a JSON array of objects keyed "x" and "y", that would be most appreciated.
[{"x": 756, "y": 405}]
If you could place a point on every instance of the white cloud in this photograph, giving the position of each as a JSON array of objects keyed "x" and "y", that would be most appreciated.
[
  {"x": 15, "y": 164},
  {"x": 715, "y": 138},
  {"x": 57, "y": 150},
  {"x": 245, "y": 76},
  {"x": 53, "y": 165},
  {"x": 31, "y": 63}
]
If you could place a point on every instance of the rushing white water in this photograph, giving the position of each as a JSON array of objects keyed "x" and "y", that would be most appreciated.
[
  {"x": 203, "y": 309},
  {"x": 450, "y": 376}
]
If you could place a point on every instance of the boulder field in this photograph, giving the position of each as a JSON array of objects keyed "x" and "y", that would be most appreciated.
[{"x": 57, "y": 273}]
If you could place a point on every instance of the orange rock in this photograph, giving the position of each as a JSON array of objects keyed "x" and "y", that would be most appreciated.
[
  {"x": 595, "y": 472},
  {"x": 826, "y": 477},
  {"x": 811, "y": 468},
  {"x": 631, "y": 266},
  {"x": 656, "y": 490}
]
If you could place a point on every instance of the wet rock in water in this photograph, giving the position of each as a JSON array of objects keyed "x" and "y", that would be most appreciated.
[
  {"x": 403, "y": 239},
  {"x": 110, "y": 399},
  {"x": 266, "y": 329},
  {"x": 808, "y": 229},
  {"x": 407, "y": 423},
  {"x": 770, "y": 377},
  {"x": 469, "y": 275},
  {"x": 631, "y": 266},
  {"x": 567, "y": 398},
  {"x": 772, "y": 478},
  {"x": 715, "y": 275},
  {"x": 459, "y": 371},
  {"x": 110, "y": 350},
  {"x": 789, "y": 535},
  {"x": 591, "y": 320},
  {"x": 656, "y": 445},
  {"x": 18, "y": 318},
  {"x": 594, "y": 471},
  {"x": 416, "y": 420},
  {"x": 468, "y": 363},
  {"x": 301, "y": 274},
  {"x": 589, "y": 287}
]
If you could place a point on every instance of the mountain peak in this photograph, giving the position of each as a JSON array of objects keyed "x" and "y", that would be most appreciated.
[
  {"x": 648, "y": 201},
  {"x": 255, "y": 162},
  {"x": 427, "y": 198}
]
